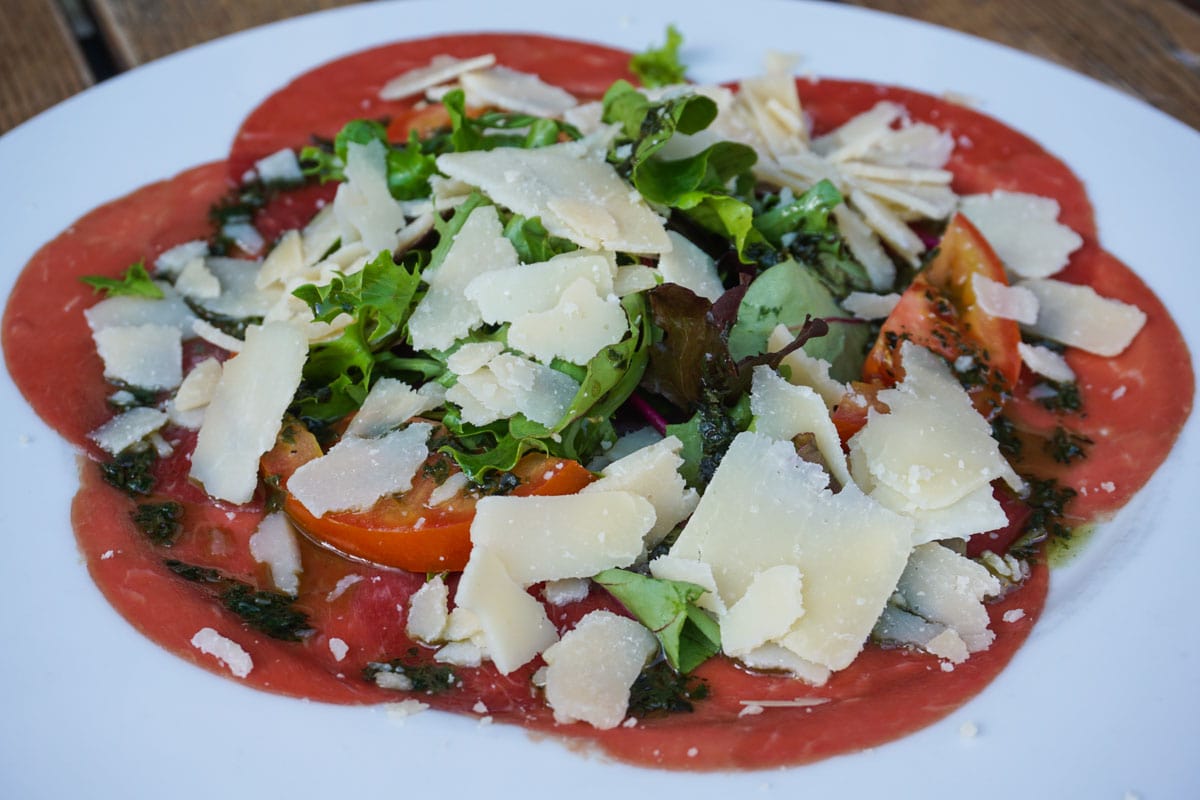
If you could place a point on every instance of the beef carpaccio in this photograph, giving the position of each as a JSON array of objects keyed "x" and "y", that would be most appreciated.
[{"x": 783, "y": 578}]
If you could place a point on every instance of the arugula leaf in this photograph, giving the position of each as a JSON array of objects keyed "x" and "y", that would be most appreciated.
[
  {"x": 136, "y": 282},
  {"x": 689, "y": 636},
  {"x": 409, "y": 166},
  {"x": 788, "y": 294},
  {"x": 660, "y": 66}
]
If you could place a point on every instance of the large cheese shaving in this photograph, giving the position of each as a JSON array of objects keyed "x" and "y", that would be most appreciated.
[
  {"x": 572, "y": 536},
  {"x": 504, "y": 295},
  {"x": 592, "y": 668},
  {"x": 356, "y": 472},
  {"x": 1078, "y": 316},
  {"x": 148, "y": 356},
  {"x": 766, "y": 506},
  {"x": 653, "y": 473},
  {"x": 944, "y": 587},
  {"x": 784, "y": 411},
  {"x": 1024, "y": 231},
  {"x": 445, "y": 313},
  {"x": 514, "y": 625},
  {"x": 690, "y": 267},
  {"x": 578, "y": 327},
  {"x": 576, "y": 197},
  {"x": 515, "y": 91},
  {"x": 246, "y": 410},
  {"x": 364, "y": 206}
]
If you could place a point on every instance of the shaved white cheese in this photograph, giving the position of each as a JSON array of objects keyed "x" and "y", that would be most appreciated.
[
  {"x": 579, "y": 326},
  {"x": 514, "y": 624},
  {"x": 428, "y": 610},
  {"x": 776, "y": 658},
  {"x": 440, "y": 70},
  {"x": 804, "y": 370},
  {"x": 246, "y": 410},
  {"x": 197, "y": 388},
  {"x": 128, "y": 428},
  {"x": 504, "y": 295},
  {"x": 766, "y": 506},
  {"x": 462, "y": 624},
  {"x": 690, "y": 570},
  {"x": 414, "y": 232},
  {"x": 1023, "y": 230},
  {"x": 245, "y": 236},
  {"x": 445, "y": 314},
  {"x": 933, "y": 448},
  {"x": 128, "y": 311},
  {"x": 1046, "y": 362},
  {"x": 197, "y": 281},
  {"x": 191, "y": 419},
  {"x": 217, "y": 337},
  {"x": 148, "y": 356},
  {"x": 320, "y": 235},
  {"x": 225, "y": 650},
  {"x": 855, "y": 137},
  {"x": 690, "y": 267},
  {"x": 864, "y": 246},
  {"x": 1006, "y": 302},
  {"x": 977, "y": 512},
  {"x": 944, "y": 587},
  {"x": 1078, "y": 316},
  {"x": 509, "y": 385},
  {"x": 240, "y": 298},
  {"x": 515, "y": 91},
  {"x": 473, "y": 356},
  {"x": 364, "y": 206},
  {"x": 285, "y": 261},
  {"x": 890, "y": 227},
  {"x": 280, "y": 168},
  {"x": 653, "y": 473},
  {"x": 578, "y": 198},
  {"x": 634, "y": 278},
  {"x": 460, "y": 654},
  {"x": 274, "y": 544},
  {"x": 355, "y": 473},
  {"x": 566, "y": 591},
  {"x": 950, "y": 646},
  {"x": 448, "y": 489},
  {"x": 389, "y": 403},
  {"x": 569, "y": 536},
  {"x": 783, "y": 411},
  {"x": 867, "y": 305},
  {"x": 912, "y": 145},
  {"x": 593, "y": 667},
  {"x": 766, "y": 611},
  {"x": 338, "y": 648},
  {"x": 170, "y": 262}
]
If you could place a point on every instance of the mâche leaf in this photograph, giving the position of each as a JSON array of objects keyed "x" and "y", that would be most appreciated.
[
  {"x": 689, "y": 636},
  {"x": 135, "y": 282}
]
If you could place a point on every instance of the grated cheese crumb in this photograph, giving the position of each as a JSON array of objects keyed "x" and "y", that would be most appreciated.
[
  {"x": 399, "y": 712},
  {"x": 968, "y": 730},
  {"x": 1013, "y": 615},
  {"x": 339, "y": 648},
  {"x": 225, "y": 650}
]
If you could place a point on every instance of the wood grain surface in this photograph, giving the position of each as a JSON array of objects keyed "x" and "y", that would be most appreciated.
[
  {"x": 40, "y": 64},
  {"x": 1148, "y": 48}
]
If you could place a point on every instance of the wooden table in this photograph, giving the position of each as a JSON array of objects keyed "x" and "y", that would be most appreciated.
[{"x": 51, "y": 49}]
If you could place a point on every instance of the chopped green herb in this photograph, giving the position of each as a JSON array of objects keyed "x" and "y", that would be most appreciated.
[
  {"x": 159, "y": 522},
  {"x": 131, "y": 471},
  {"x": 1005, "y": 434},
  {"x": 1067, "y": 446},
  {"x": 1055, "y": 396},
  {"x": 271, "y": 613},
  {"x": 660, "y": 690},
  {"x": 136, "y": 282}
]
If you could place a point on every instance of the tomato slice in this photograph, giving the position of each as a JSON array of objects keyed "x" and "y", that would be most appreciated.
[
  {"x": 939, "y": 311},
  {"x": 401, "y": 530}
]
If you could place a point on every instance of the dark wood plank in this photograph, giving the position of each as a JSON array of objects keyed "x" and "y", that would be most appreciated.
[
  {"x": 40, "y": 64},
  {"x": 1148, "y": 48},
  {"x": 138, "y": 31}
]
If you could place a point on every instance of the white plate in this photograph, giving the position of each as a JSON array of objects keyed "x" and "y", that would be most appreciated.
[{"x": 1102, "y": 701}]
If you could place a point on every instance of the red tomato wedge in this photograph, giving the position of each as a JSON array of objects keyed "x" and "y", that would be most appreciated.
[
  {"x": 939, "y": 311},
  {"x": 401, "y": 530}
]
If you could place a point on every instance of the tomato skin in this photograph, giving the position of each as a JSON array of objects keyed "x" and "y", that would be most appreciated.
[
  {"x": 939, "y": 311},
  {"x": 401, "y": 531}
]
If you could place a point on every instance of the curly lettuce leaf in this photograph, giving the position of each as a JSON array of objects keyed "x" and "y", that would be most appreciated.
[{"x": 660, "y": 66}]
